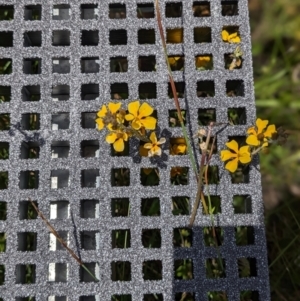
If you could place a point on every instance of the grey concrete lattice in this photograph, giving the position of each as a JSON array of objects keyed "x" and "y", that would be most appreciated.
[{"x": 60, "y": 53}]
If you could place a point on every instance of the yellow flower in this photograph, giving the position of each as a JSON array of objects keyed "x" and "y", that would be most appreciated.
[
  {"x": 177, "y": 146},
  {"x": 139, "y": 115},
  {"x": 153, "y": 147},
  {"x": 108, "y": 117},
  {"x": 202, "y": 61},
  {"x": 242, "y": 155},
  {"x": 230, "y": 38},
  {"x": 258, "y": 134},
  {"x": 117, "y": 138}
]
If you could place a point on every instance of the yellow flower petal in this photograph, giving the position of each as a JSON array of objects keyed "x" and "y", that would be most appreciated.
[
  {"x": 149, "y": 123},
  {"x": 145, "y": 110},
  {"x": 136, "y": 124},
  {"x": 225, "y": 35},
  {"x": 148, "y": 145},
  {"x": 180, "y": 149},
  {"x": 153, "y": 138},
  {"x": 102, "y": 112},
  {"x": 161, "y": 141},
  {"x": 251, "y": 131},
  {"x": 252, "y": 140},
  {"x": 133, "y": 108},
  {"x": 119, "y": 145},
  {"x": 226, "y": 155},
  {"x": 111, "y": 138},
  {"x": 235, "y": 40},
  {"x": 100, "y": 123},
  {"x": 261, "y": 125},
  {"x": 114, "y": 107},
  {"x": 129, "y": 117},
  {"x": 156, "y": 150},
  {"x": 232, "y": 165},
  {"x": 232, "y": 36},
  {"x": 244, "y": 154},
  {"x": 270, "y": 130},
  {"x": 233, "y": 145}
]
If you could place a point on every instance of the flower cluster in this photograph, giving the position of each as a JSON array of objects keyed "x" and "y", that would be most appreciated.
[
  {"x": 230, "y": 38},
  {"x": 133, "y": 122},
  {"x": 258, "y": 137}
]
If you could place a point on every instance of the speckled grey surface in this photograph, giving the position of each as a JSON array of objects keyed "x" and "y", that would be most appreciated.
[{"x": 74, "y": 163}]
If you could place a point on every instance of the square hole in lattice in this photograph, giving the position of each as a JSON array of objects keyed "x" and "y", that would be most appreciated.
[
  {"x": 231, "y": 34},
  {"x": 247, "y": 267},
  {"x": 27, "y": 241},
  {"x": 174, "y": 10},
  {"x": 32, "y": 65},
  {"x": 59, "y": 178},
  {"x": 201, "y": 9},
  {"x": 89, "y": 37},
  {"x": 180, "y": 90},
  {"x": 145, "y": 10},
  {"x": 120, "y": 238},
  {"x": 89, "y": 64},
  {"x": 3, "y": 211},
  {"x": 90, "y": 240},
  {"x": 90, "y": 178},
  {"x": 150, "y": 207},
  {"x": 215, "y": 202},
  {"x": 237, "y": 116},
  {"x": 31, "y": 93},
  {"x": 61, "y": 65},
  {"x": 146, "y": 36},
  {"x": 29, "y": 179},
  {"x": 151, "y": 238},
  {"x": 6, "y": 12},
  {"x": 177, "y": 146},
  {"x": 233, "y": 60},
  {"x": 87, "y": 277},
  {"x": 61, "y": 37},
  {"x": 118, "y": 37},
  {"x": 89, "y": 91},
  {"x": 174, "y": 35},
  {"x": 205, "y": 88},
  {"x": 60, "y": 149},
  {"x": 2, "y": 242},
  {"x": 25, "y": 273},
  {"x": 121, "y": 298},
  {"x": 120, "y": 177},
  {"x": 3, "y": 180},
  {"x": 153, "y": 297},
  {"x": 54, "y": 244},
  {"x": 182, "y": 238},
  {"x": 217, "y": 295},
  {"x": 117, "y": 11},
  {"x": 119, "y": 91},
  {"x": 33, "y": 12},
  {"x": 32, "y": 39},
  {"x": 5, "y": 94},
  {"x": 204, "y": 62},
  {"x": 121, "y": 271},
  {"x": 174, "y": 119},
  {"x": 89, "y": 148},
  {"x": 60, "y": 92},
  {"x": 58, "y": 272},
  {"x": 235, "y": 88},
  {"x": 118, "y": 64},
  {"x": 2, "y": 274},
  {"x": 181, "y": 205},
  {"x": 6, "y": 39},
  {"x": 149, "y": 176},
  {"x": 179, "y": 175},
  {"x": 183, "y": 269},
  {"x": 215, "y": 268},
  {"x": 229, "y": 8},
  {"x": 59, "y": 209},
  {"x": 89, "y": 298},
  {"x": 147, "y": 63},
  {"x": 88, "y": 120},
  {"x": 152, "y": 270},
  {"x": 249, "y": 296},
  {"x": 202, "y": 35},
  {"x": 30, "y": 150},
  {"x": 60, "y": 121},
  {"x": 176, "y": 62},
  {"x": 89, "y": 11},
  {"x": 242, "y": 204},
  {"x": 244, "y": 235},
  {"x": 5, "y": 66},
  {"x": 147, "y": 90},
  {"x": 120, "y": 207},
  {"x": 89, "y": 209},
  {"x": 61, "y": 12},
  {"x": 30, "y": 121},
  {"x": 4, "y": 150},
  {"x": 213, "y": 236},
  {"x": 27, "y": 211},
  {"x": 188, "y": 296}
]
